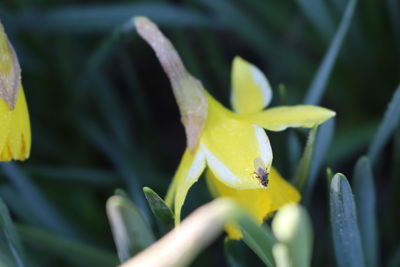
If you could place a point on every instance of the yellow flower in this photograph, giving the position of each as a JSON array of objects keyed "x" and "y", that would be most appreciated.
[
  {"x": 15, "y": 133},
  {"x": 229, "y": 142}
]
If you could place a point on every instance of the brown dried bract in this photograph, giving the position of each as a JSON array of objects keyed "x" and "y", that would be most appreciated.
[{"x": 10, "y": 71}]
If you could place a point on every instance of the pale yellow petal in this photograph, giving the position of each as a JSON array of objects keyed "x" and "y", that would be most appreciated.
[
  {"x": 231, "y": 146},
  {"x": 251, "y": 91},
  {"x": 258, "y": 202},
  {"x": 280, "y": 118},
  {"x": 189, "y": 171},
  {"x": 15, "y": 133}
]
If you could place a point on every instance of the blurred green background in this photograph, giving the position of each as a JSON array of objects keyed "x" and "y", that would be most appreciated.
[{"x": 103, "y": 115}]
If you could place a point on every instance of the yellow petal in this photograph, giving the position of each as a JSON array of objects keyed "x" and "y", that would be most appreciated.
[
  {"x": 280, "y": 118},
  {"x": 231, "y": 146},
  {"x": 258, "y": 202},
  {"x": 251, "y": 91},
  {"x": 15, "y": 132},
  {"x": 189, "y": 171}
]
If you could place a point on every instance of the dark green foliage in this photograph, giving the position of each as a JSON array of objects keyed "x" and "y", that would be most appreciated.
[{"x": 103, "y": 117}]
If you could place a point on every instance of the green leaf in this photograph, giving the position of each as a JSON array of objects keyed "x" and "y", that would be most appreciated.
[
  {"x": 346, "y": 235},
  {"x": 10, "y": 234},
  {"x": 318, "y": 14},
  {"x": 233, "y": 253},
  {"x": 77, "y": 253},
  {"x": 259, "y": 238},
  {"x": 163, "y": 214},
  {"x": 386, "y": 127},
  {"x": 322, "y": 144},
  {"x": 395, "y": 259},
  {"x": 43, "y": 209},
  {"x": 318, "y": 84},
  {"x": 131, "y": 232},
  {"x": 303, "y": 170},
  {"x": 293, "y": 231},
  {"x": 364, "y": 194},
  {"x": 91, "y": 176}
]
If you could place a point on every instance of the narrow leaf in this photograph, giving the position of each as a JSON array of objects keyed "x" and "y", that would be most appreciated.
[
  {"x": 364, "y": 194},
  {"x": 318, "y": 84},
  {"x": 180, "y": 246},
  {"x": 164, "y": 215},
  {"x": 131, "y": 232},
  {"x": 43, "y": 209},
  {"x": 303, "y": 170},
  {"x": 233, "y": 253},
  {"x": 386, "y": 127},
  {"x": 260, "y": 239},
  {"x": 77, "y": 253},
  {"x": 11, "y": 236},
  {"x": 346, "y": 235},
  {"x": 322, "y": 144},
  {"x": 317, "y": 13}
]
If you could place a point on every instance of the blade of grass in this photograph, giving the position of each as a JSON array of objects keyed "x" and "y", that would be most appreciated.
[
  {"x": 163, "y": 214},
  {"x": 66, "y": 248},
  {"x": 345, "y": 232},
  {"x": 303, "y": 169},
  {"x": 321, "y": 78},
  {"x": 387, "y": 126},
  {"x": 8, "y": 230},
  {"x": 43, "y": 209},
  {"x": 364, "y": 194},
  {"x": 131, "y": 232}
]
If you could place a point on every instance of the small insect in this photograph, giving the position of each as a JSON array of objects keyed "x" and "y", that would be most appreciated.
[{"x": 261, "y": 172}]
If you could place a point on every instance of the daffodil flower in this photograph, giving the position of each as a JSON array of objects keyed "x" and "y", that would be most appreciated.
[
  {"x": 15, "y": 133},
  {"x": 227, "y": 142}
]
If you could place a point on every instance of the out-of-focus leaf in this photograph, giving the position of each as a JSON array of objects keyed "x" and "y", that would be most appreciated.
[
  {"x": 103, "y": 18},
  {"x": 321, "y": 78},
  {"x": 351, "y": 141},
  {"x": 345, "y": 232},
  {"x": 95, "y": 177},
  {"x": 386, "y": 127},
  {"x": 293, "y": 231},
  {"x": 294, "y": 148},
  {"x": 318, "y": 14},
  {"x": 364, "y": 194},
  {"x": 393, "y": 7},
  {"x": 9, "y": 233},
  {"x": 303, "y": 170},
  {"x": 163, "y": 214},
  {"x": 180, "y": 246},
  {"x": 69, "y": 250},
  {"x": 322, "y": 144},
  {"x": 233, "y": 253},
  {"x": 131, "y": 232},
  {"x": 120, "y": 160},
  {"x": 395, "y": 259},
  {"x": 259, "y": 238},
  {"x": 232, "y": 17},
  {"x": 46, "y": 213}
]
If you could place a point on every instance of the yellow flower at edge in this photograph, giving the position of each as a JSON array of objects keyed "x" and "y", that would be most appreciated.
[
  {"x": 15, "y": 133},
  {"x": 229, "y": 142}
]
